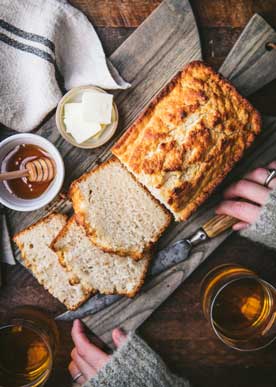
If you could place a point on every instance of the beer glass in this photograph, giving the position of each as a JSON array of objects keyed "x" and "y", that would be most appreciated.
[
  {"x": 28, "y": 341},
  {"x": 240, "y": 306}
]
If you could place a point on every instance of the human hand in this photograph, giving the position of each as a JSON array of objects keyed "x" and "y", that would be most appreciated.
[
  {"x": 251, "y": 188},
  {"x": 87, "y": 358}
]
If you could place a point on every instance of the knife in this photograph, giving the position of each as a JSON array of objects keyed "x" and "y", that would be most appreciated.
[{"x": 164, "y": 259}]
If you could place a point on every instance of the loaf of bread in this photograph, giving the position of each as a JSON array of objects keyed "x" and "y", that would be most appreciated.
[
  {"x": 118, "y": 214},
  {"x": 99, "y": 271},
  {"x": 34, "y": 244},
  {"x": 189, "y": 138}
]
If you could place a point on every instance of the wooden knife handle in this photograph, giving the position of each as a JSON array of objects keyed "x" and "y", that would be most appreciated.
[{"x": 218, "y": 224}]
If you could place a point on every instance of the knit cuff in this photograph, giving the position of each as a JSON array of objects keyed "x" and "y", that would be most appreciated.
[
  {"x": 135, "y": 364},
  {"x": 263, "y": 230}
]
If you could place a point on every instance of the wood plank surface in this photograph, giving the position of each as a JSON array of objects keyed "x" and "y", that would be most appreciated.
[
  {"x": 234, "y": 13},
  {"x": 127, "y": 13},
  {"x": 182, "y": 336},
  {"x": 219, "y": 13},
  {"x": 178, "y": 330}
]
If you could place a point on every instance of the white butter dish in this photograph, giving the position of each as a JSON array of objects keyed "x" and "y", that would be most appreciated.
[{"x": 90, "y": 136}]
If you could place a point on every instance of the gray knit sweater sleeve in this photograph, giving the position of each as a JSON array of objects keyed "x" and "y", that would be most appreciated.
[
  {"x": 135, "y": 364},
  {"x": 264, "y": 229}
]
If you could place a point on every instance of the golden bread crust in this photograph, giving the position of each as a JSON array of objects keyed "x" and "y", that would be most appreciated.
[
  {"x": 40, "y": 221},
  {"x": 189, "y": 138}
]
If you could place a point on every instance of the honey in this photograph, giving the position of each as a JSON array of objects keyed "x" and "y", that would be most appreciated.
[{"x": 17, "y": 159}]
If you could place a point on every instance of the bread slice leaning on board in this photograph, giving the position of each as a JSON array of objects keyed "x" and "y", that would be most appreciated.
[
  {"x": 34, "y": 244},
  {"x": 118, "y": 213},
  {"x": 100, "y": 271},
  {"x": 189, "y": 138}
]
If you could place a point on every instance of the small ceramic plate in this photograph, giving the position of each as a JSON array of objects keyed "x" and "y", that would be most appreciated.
[{"x": 75, "y": 95}]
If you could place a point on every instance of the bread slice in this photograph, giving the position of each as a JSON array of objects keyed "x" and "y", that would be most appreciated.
[
  {"x": 34, "y": 244},
  {"x": 99, "y": 271},
  {"x": 119, "y": 215}
]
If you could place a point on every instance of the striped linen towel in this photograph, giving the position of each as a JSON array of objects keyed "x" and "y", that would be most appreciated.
[{"x": 46, "y": 47}]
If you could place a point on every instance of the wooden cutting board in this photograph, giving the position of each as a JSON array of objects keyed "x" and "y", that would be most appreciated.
[
  {"x": 160, "y": 47},
  {"x": 249, "y": 66}
]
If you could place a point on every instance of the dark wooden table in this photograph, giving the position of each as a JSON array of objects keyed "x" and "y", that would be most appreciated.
[{"x": 177, "y": 330}]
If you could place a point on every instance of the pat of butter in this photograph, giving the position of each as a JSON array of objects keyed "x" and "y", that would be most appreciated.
[
  {"x": 76, "y": 126},
  {"x": 97, "y": 107},
  {"x": 72, "y": 109}
]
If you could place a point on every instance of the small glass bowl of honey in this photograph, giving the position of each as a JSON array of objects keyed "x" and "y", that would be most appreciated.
[{"x": 21, "y": 194}]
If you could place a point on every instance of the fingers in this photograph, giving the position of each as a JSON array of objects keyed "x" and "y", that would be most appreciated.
[
  {"x": 272, "y": 165},
  {"x": 259, "y": 175},
  {"x": 119, "y": 337},
  {"x": 74, "y": 370},
  {"x": 272, "y": 184},
  {"x": 87, "y": 370},
  {"x": 240, "y": 226},
  {"x": 89, "y": 352},
  {"x": 246, "y": 212},
  {"x": 248, "y": 190}
]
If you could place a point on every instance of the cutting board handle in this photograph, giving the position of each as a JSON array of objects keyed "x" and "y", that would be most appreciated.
[
  {"x": 251, "y": 63},
  {"x": 218, "y": 224}
]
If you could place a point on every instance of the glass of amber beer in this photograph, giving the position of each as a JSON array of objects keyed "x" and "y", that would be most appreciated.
[
  {"x": 240, "y": 306},
  {"x": 28, "y": 341}
]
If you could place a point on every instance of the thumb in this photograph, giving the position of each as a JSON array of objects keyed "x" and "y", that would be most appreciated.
[
  {"x": 78, "y": 335},
  {"x": 89, "y": 352},
  {"x": 119, "y": 337}
]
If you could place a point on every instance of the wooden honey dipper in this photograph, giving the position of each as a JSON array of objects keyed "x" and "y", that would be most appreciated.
[{"x": 37, "y": 171}]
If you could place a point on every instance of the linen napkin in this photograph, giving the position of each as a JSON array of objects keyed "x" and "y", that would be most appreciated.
[{"x": 46, "y": 47}]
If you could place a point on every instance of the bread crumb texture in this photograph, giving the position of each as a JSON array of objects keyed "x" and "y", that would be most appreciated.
[
  {"x": 119, "y": 215},
  {"x": 100, "y": 271},
  {"x": 34, "y": 244},
  {"x": 189, "y": 138}
]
